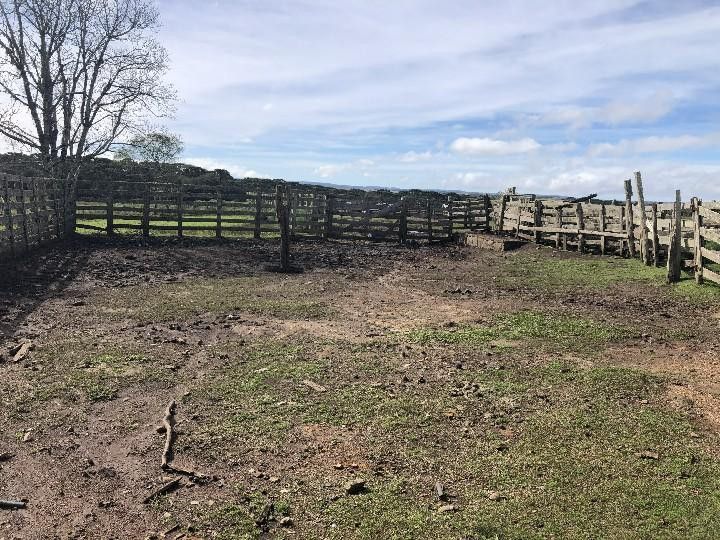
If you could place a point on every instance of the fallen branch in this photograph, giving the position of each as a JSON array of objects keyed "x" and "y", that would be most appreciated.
[
  {"x": 172, "y": 485},
  {"x": 168, "y": 424},
  {"x": 13, "y": 505}
]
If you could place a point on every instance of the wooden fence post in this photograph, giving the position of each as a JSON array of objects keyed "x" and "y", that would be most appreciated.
[
  {"x": 581, "y": 225},
  {"x": 218, "y": 212},
  {"x": 402, "y": 229},
  {"x": 8, "y": 214},
  {"x": 450, "y": 217},
  {"x": 674, "y": 259},
  {"x": 697, "y": 222},
  {"x": 429, "y": 216},
  {"x": 655, "y": 237},
  {"x": 329, "y": 211},
  {"x": 110, "y": 214},
  {"x": 282, "y": 208},
  {"x": 603, "y": 228},
  {"x": 644, "y": 244},
  {"x": 629, "y": 220},
  {"x": 23, "y": 214},
  {"x": 257, "y": 232},
  {"x": 538, "y": 219},
  {"x": 180, "y": 208},
  {"x": 558, "y": 224},
  {"x": 501, "y": 218},
  {"x": 146, "y": 211},
  {"x": 519, "y": 219},
  {"x": 487, "y": 209}
]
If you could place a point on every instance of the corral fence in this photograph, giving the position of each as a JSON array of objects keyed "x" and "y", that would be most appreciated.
[
  {"x": 33, "y": 211},
  {"x": 36, "y": 210},
  {"x": 676, "y": 234},
  {"x": 185, "y": 208}
]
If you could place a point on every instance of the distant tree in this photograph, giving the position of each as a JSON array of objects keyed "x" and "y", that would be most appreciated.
[
  {"x": 79, "y": 75},
  {"x": 156, "y": 147}
]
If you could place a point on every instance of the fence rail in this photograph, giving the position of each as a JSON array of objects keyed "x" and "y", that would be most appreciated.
[
  {"x": 182, "y": 208},
  {"x": 33, "y": 211}
]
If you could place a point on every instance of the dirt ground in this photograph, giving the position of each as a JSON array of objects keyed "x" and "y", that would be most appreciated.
[{"x": 533, "y": 394}]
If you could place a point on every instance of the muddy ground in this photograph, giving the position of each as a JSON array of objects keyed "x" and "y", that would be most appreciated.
[{"x": 534, "y": 394}]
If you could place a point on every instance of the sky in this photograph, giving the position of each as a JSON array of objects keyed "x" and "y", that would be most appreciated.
[{"x": 560, "y": 97}]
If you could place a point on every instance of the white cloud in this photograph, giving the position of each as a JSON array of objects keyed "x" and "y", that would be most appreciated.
[
  {"x": 492, "y": 147},
  {"x": 414, "y": 157},
  {"x": 654, "y": 144},
  {"x": 327, "y": 171},
  {"x": 643, "y": 110}
]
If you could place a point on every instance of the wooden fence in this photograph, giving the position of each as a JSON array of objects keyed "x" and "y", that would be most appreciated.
[
  {"x": 707, "y": 233},
  {"x": 681, "y": 233},
  {"x": 184, "y": 208},
  {"x": 33, "y": 211}
]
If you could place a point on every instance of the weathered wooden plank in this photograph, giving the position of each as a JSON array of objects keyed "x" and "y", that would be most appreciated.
[
  {"x": 711, "y": 276},
  {"x": 710, "y": 254}
]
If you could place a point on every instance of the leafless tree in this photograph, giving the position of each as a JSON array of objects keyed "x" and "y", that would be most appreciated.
[{"x": 79, "y": 75}]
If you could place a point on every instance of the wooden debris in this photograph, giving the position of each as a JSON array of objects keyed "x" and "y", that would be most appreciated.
[
  {"x": 315, "y": 386},
  {"x": 20, "y": 352},
  {"x": 168, "y": 424},
  {"x": 13, "y": 505},
  {"x": 172, "y": 485}
]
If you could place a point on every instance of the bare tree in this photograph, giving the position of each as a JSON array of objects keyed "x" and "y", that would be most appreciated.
[{"x": 79, "y": 75}]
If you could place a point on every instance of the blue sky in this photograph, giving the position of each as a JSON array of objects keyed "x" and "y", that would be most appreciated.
[{"x": 563, "y": 97}]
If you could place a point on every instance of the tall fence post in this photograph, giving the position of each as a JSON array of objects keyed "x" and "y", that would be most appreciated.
[
  {"x": 603, "y": 228},
  {"x": 501, "y": 215},
  {"x": 180, "y": 208},
  {"x": 146, "y": 211},
  {"x": 218, "y": 212},
  {"x": 8, "y": 214},
  {"x": 450, "y": 217},
  {"x": 629, "y": 219},
  {"x": 258, "y": 215},
  {"x": 519, "y": 219},
  {"x": 429, "y": 216},
  {"x": 110, "y": 214},
  {"x": 402, "y": 228},
  {"x": 282, "y": 208},
  {"x": 644, "y": 244},
  {"x": 581, "y": 226},
  {"x": 538, "y": 220},
  {"x": 23, "y": 214},
  {"x": 329, "y": 211},
  {"x": 558, "y": 224},
  {"x": 697, "y": 222},
  {"x": 487, "y": 210},
  {"x": 655, "y": 237},
  {"x": 674, "y": 259}
]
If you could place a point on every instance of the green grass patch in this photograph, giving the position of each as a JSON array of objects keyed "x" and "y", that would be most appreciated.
[
  {"x": 558, "y": 330},
  {"x": 597, "y": 273}
]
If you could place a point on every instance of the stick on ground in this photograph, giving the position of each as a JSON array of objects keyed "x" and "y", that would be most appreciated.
[
  {"x": 168, "y": 424},
  {"x": 13, "y": 505},
  {"x": 167, "y": 488}
]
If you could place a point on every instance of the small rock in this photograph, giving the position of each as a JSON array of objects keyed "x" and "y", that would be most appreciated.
[
  {"x": 647, "y": 454},
  {"x": 286, "y": 522},
  {"x": 353, "y": 487},
  {"x": 27, "y": 437},
  {"x": 496, "y": 496},
  {"x": 447, "y": 508}
]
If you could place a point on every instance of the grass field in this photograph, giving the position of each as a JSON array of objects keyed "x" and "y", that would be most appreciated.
[{"x": 557, "y": 396}]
